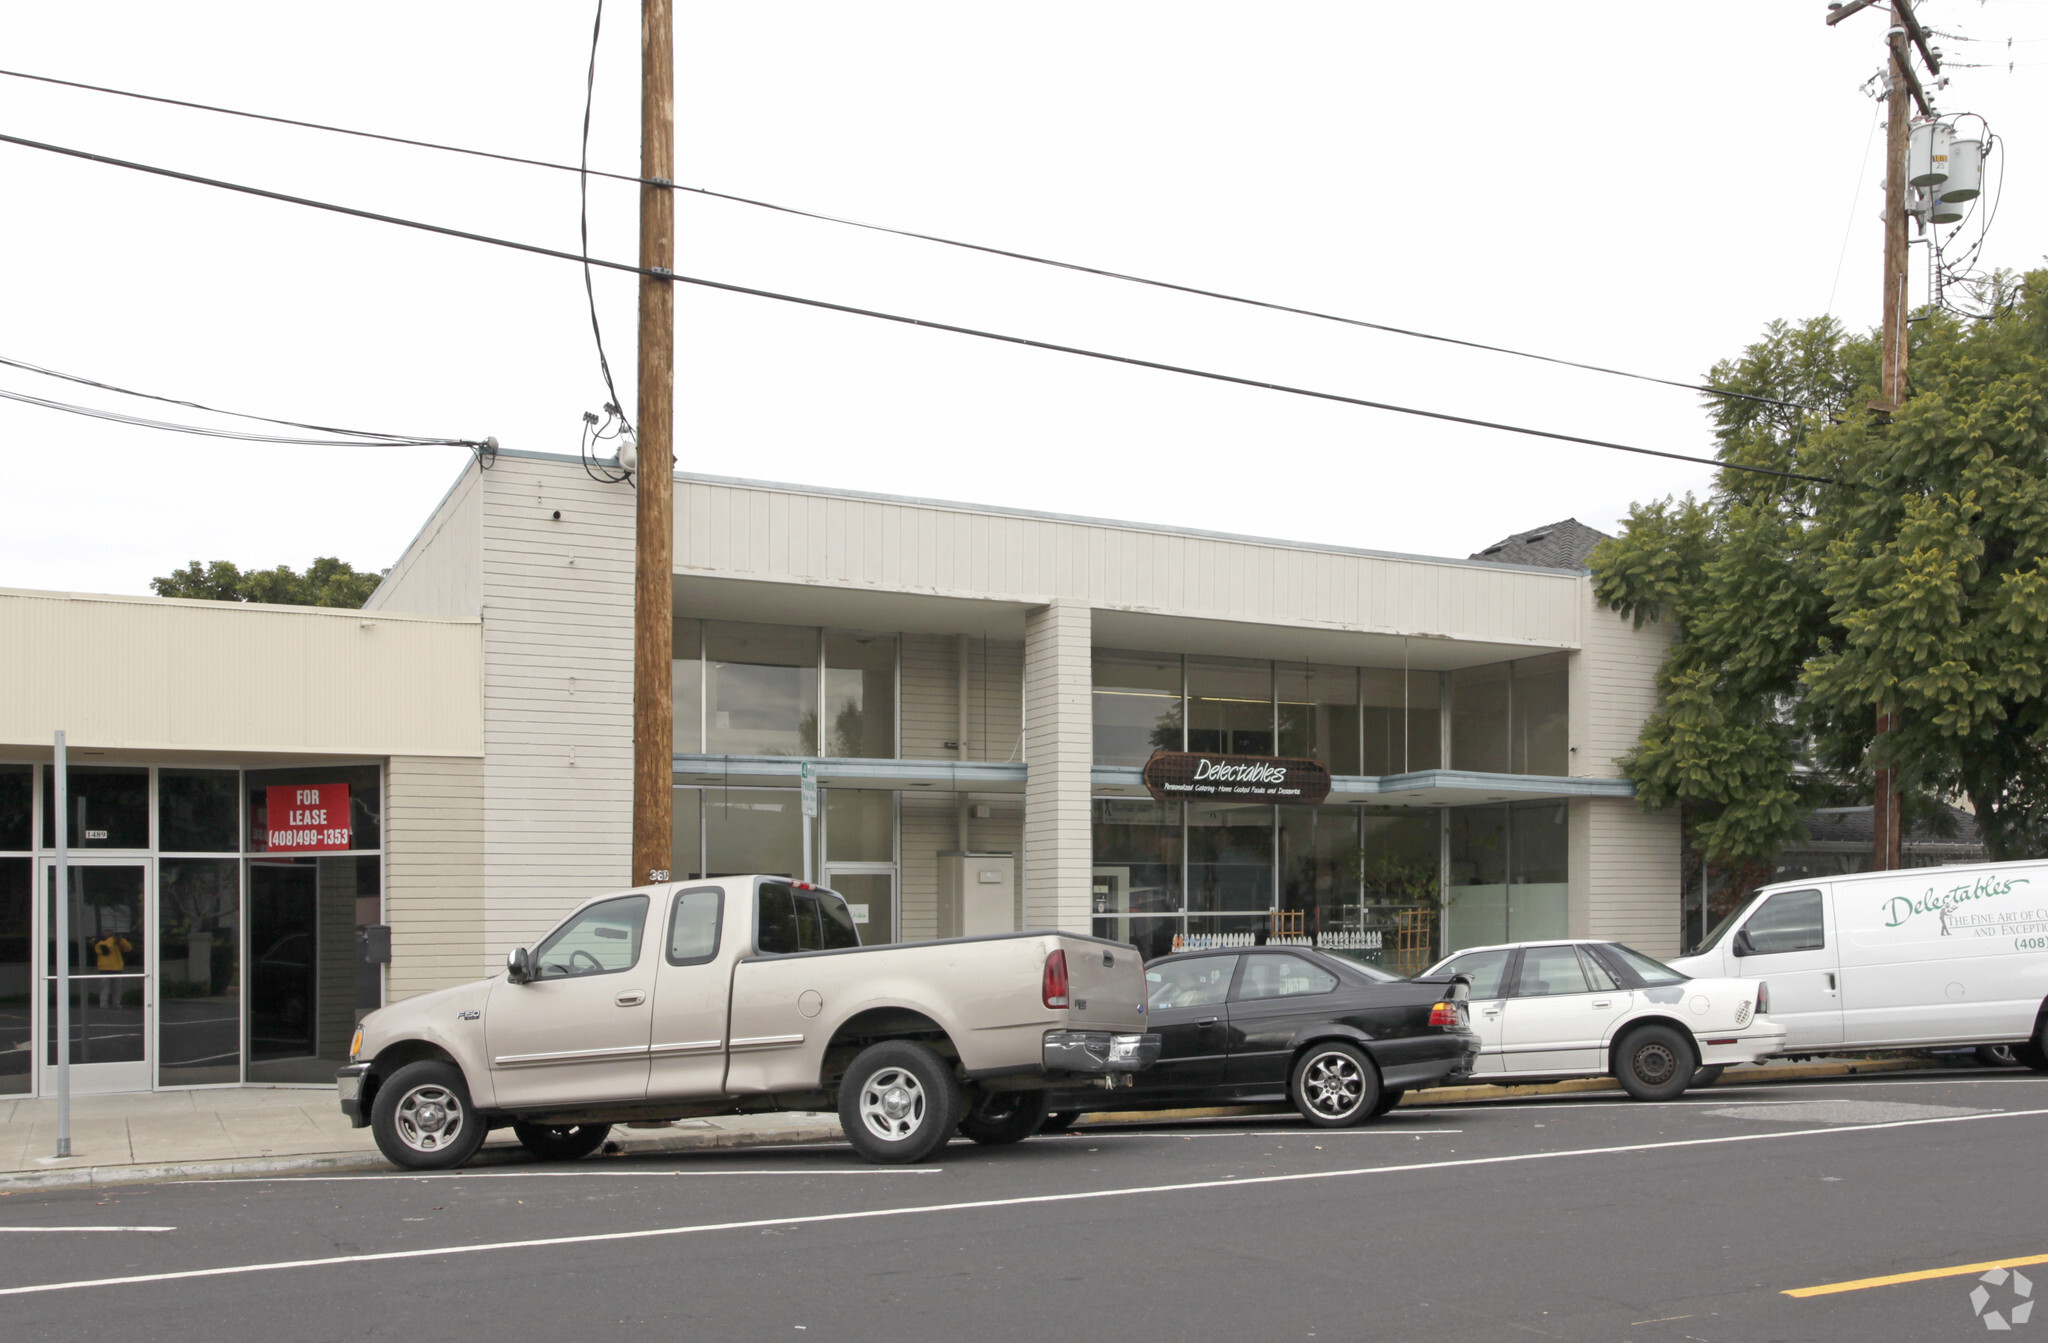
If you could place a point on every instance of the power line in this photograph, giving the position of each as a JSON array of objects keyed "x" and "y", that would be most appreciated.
[
  {"x": 367, "y": 436},
  {"x": 586, "y": 171},
  {"x": 487, "y": 448},
  {"x": 901, "y": 319},
  {"x": 614, "y": 406}
]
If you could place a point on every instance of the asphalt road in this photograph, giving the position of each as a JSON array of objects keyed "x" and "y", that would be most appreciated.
[{"x": 1576, "y": 1217}]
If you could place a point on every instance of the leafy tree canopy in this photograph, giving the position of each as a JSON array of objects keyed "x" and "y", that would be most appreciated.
[
  {"x": 1915, "y": 581},
  {"x": 326, "y": 582}
]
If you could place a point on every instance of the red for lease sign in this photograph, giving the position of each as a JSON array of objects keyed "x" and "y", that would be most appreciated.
[{"x": 306, "y": 817}]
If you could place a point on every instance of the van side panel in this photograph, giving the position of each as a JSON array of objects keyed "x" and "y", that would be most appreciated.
[{"x": 1944, "y": 955}]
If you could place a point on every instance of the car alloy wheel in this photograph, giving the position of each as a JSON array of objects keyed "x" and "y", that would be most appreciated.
[
  {"x": 892, "y": 1104},
  {"x": 1333, "y": 1084},
  {"x": 430, "y": 1118}
]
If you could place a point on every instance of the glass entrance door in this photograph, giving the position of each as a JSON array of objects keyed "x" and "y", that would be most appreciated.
[
  {"x": 871, "y": 895},
  {"x": 109, "y": 955}
]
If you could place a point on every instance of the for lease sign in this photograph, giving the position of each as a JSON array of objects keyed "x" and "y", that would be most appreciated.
[{"x": 306, "y": 817}]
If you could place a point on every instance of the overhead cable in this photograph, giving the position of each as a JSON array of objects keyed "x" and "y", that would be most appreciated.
[
  {"x": 487, "y": 449},
  {"x": 723, "y": 286},
  {"x": 586, "y": 171}
]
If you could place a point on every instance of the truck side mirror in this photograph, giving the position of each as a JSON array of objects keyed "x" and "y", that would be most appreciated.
[
  {"x": 518, "y": 966},
  {"x": 1743, "y": 946}
]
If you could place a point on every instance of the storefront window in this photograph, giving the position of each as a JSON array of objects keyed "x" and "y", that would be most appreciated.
[
  {"x": 1538, "y": 883},
  {"x": 1230, "y": 857},
  {"x": 761, "y": 689},
  {"x": 16, "y": 988},
  {"x": 1137, "y": 896},
  {"x": 687, "y": 861},
  {"x": 1542, "y": 716},
  {"x": 1399, "y": 862},
  {"x": 304, "y": 986},
  {"x": 860, "y": 695},
  {"x": 108, "y": 806},
  {"x": 1480, "y": 698},
  {"x": 1137, "y": 706},
  {"x": 199, "y": 955},
  {"x": 198, "y": 810},
  {"x": 315, "y": 808},
  {"x": 1400, "y": 728},
  {"x": 1509, "y": 874},
  {"x": 860, "y": 825},
  {"x": 750, "y": 830},
  {"x": 1230, "y": 706},
  {"x": 1319, "y": 867},
  {"x": 15, "y": 796},
  {"x": 1476, "y": 913},
  {"x": 688, "y": 686},
  {"x": 1319, "y": 714}
]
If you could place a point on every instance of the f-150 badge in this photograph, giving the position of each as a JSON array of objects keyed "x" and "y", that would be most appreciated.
[{"x": 470, "y": 1014}]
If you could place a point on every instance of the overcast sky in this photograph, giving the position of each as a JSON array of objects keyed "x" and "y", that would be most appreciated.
[{"x": 1644, "y": 186}]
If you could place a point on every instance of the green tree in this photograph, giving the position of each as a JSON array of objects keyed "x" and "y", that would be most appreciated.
[
  {"x": 1915, "y": 580},
  {"x": 326, "y": 582}
]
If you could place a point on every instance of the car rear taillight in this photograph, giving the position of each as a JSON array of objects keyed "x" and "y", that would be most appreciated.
[
  {"x": 1444, "y": 1014},
  {"x": 1056, "y": 979},
  {"x": 1763, "y": 999}
]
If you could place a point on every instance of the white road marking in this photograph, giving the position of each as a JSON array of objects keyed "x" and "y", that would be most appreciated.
[
  {"x": 45, "y": 1230},
  {"x": 550, "y": 1175},
  {"x": 1089, "y": 1136},
  {"x": 974, "y": 1205}
]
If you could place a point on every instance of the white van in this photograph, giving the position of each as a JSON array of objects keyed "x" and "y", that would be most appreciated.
[{"x": 1900, "y": 959}]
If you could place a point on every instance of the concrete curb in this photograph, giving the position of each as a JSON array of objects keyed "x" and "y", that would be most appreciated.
[
  {"x": 1460, "y": 1095},
  {"x": 73, "y": 1177}
]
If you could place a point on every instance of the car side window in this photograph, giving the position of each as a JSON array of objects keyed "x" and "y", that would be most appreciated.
[
  {"x": 1788, "y": 921},
  {"x": 601, "y": 940},
  {"x": 775, "y": 926},
  {"x": 693, "y": 926},
  {"x": 1550, "y": 970},
  {"x": 1597, "y": 974},
  {"x": 1486, "y": 969},
  {"x": 1277, "y": 975},
  {"x": 1201, "y": 982}
]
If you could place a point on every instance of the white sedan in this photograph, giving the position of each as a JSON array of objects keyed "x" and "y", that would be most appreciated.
[{"x": 1592, "y": 1009}]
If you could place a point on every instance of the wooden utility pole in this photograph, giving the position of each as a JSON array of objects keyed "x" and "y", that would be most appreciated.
[
  {"x": 654, "y": 552},
  {"x": 1887, "y": 826}
]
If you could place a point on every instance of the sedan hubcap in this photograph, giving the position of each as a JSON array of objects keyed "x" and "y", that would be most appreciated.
[
  {"x": 1333, "y": 1085},
  {"x": 892, "y": 1104},
  {"x": 1655, "y": 1064},
  {"x": 429, "y": 1118}
]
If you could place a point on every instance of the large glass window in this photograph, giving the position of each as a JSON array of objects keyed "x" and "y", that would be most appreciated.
[
  {"x": 15, "y": 795},
  {"x": 1138, "y": 872},
  {"x": 686, "y": 862},
  {"x": 1319, "y": 861},
  {"x": 860, "y": 695},
  {"x": 1319, "y": 714},
  {"x": 305, "y": 995},
  {"x": 748, "y": 830},
  {"x": 1137, "y": 706},
  {"x": 1509, "y": 874},
  {"x": 16, "y": 986},
  {"x": 860, "y": 825},
  {"x": 761, "y": 689},
  {"x": 1480, "y": 699},
  {"x": 1230, "y": 857},
  {"x": 1400, "y": 725},
  {"x": 1230, "y": 706},
  {"x": 108, "y": 807},
  {"x": 688, "y": 686},
  {"x": 199, "y": 958},
  {"x": 275, "y": 795},
  {"x": 1542, "y": 716},
  {"x": 198, "y": 810}
]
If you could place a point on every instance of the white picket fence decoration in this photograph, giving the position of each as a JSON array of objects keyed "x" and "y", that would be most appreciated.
[{"x": 1371, "y": 941}]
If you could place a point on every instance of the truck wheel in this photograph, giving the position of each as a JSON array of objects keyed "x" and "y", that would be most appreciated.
[
  {"x": 561, "y": 1142},
  {"x": 1998, "y": 1056},
  {"x": 1655, "y": 1063},
  {"x": 998, "y": 1118},
  {"x": 1334, "y": 1085},
  {"x": 423, "y": 1119},
  {"x": 898, "y": 1103},
  {"x": 1059, "y": 1121},
  {"x": 1707, "y": 1076},
  {"x": 1388, "y": 1100}
]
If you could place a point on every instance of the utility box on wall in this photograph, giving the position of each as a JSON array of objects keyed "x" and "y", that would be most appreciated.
[{"x": 977, "y": 893}]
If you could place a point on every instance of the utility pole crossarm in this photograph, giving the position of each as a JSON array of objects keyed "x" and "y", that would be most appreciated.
[
  {"x": 1836, "y": 13},
  {"x": 1903, "y": 10}
]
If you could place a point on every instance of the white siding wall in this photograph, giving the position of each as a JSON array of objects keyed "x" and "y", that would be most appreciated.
[
  {"x": 434, "y": 873},
  {"x": 558, "y": 695},
  {"x": 441, "y": 572}
]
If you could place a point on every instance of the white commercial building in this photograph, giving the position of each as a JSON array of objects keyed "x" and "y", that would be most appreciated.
[{"x": 281, "y": 817}]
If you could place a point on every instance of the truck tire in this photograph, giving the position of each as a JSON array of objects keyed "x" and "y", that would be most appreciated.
[
  {"x": 898, "y": 1103},
  {"x": 1059, "y": 1121},
  {"x": 1655, "y": 1063},
  {"x": 999, "y": 1118},
  {"x": 1707, "y": 1076},
  {"x": 561, "y": 1142},
  {"x": 1334, "y": 1085},
  {"x": 423, "y": 1118}
]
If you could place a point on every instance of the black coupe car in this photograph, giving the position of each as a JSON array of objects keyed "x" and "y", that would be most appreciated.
[{"x": 1339, "y": 1041}]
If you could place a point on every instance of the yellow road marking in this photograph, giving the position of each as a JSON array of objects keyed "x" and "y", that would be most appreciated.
[{"x": 1921, "y": 1276}]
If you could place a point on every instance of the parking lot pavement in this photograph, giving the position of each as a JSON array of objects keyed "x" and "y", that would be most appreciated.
[{"x": 1580, "y": 1217}]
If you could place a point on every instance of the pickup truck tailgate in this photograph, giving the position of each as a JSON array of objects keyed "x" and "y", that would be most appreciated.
[{"x": 1105, "y": 985}]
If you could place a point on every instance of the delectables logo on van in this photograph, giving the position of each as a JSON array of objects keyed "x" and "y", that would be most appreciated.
[{"x": 1947, "y": 906}]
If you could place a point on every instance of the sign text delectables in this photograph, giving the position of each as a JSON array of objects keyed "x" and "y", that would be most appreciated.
[
  {"x": 306, "y": 817},
  {"x": 1183, "y": 774}
]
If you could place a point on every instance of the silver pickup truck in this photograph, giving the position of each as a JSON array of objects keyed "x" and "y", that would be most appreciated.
[{"x": 742, "y": 995}]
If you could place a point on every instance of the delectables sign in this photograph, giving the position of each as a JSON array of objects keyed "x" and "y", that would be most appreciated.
[
  {"x": 306, "y": 817},
  {"x": 1184, "y": 774}
]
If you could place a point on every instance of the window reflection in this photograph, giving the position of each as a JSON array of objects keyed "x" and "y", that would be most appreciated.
[{"x": 761, "y": 689}]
